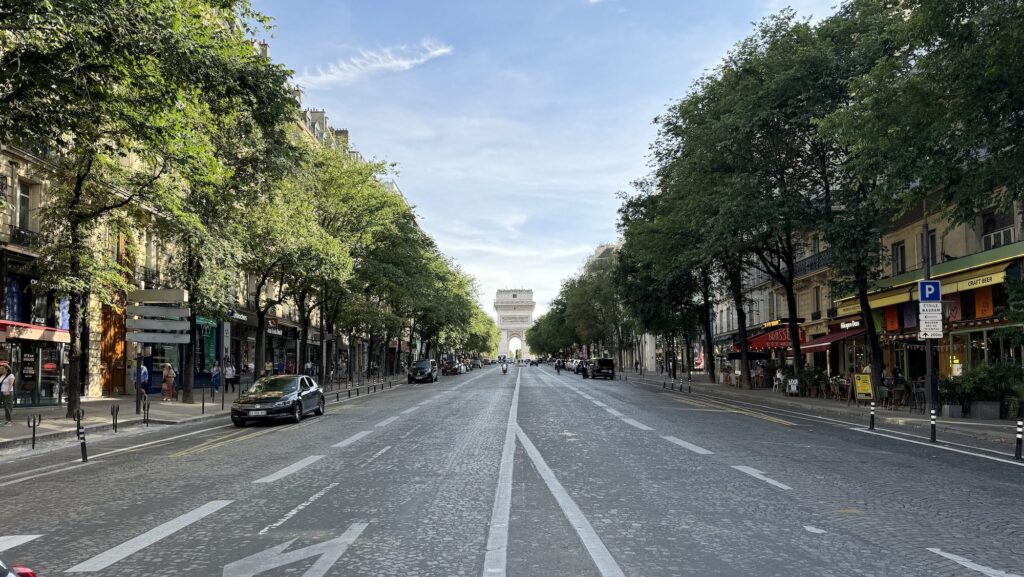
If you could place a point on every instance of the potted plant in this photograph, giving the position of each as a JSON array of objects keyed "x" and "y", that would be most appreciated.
[
  {"x": 951, "y": 393},
  {"x": 987, "y": 386}
]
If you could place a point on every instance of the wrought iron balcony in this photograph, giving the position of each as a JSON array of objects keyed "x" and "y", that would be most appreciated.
[
  {"x": 813, "y": 263},
  {"x": 832, "y": 312},
  {"x": 23, "y": 236}
]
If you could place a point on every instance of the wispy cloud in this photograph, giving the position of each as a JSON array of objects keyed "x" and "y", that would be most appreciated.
[{"x": 370, "y": 62}]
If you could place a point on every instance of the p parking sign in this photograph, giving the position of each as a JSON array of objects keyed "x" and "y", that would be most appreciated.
[{"x": 929, "y": 291}]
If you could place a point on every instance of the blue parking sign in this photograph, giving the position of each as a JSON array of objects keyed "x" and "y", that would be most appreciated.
[{"x": 929, "y": 291}]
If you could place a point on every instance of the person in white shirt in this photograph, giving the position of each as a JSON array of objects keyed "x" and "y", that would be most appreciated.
[
  {"x": 7, "y": 392},
  {"x": 229, "y": 375}
]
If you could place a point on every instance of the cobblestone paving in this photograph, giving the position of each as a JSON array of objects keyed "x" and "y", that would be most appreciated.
[{"x": 777, "y": 496}]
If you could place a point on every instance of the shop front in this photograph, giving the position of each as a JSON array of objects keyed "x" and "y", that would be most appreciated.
[
  {"x": 242, "y": 345},
  {"x": 38, "y": 358}
]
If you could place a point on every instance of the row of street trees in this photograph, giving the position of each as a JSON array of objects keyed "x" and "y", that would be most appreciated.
[
  {"x": 161, "y": 115},
  {"x": 825, "y": 129}
]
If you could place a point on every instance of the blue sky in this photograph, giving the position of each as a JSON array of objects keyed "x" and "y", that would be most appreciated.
[{"x": 513, "y": 123}]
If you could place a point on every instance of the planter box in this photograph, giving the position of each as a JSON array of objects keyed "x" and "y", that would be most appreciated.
[
  {"x": 952, "y": 411},
  {"x": 985, "y": 410}
]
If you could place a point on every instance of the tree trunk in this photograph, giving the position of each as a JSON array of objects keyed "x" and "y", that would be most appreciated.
[
  {"x": 412, "y": 334},
  {"x": 76, "y": 319},
  {"x": 321, "y": 373},
  {"x": 689, "y": 353},
  {"x": 794, "y": 327},
  {"x": 301, "y": 302},
  {"x": 872, "y": 334},
  {"x": 735, "y": 276},
  {"x": 351, "y": 355},
  {"x": 261, "y": 343},
  {"x": 707, "y": 306}
]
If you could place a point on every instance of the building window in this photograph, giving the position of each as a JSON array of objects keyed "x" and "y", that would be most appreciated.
[
  {"x": 996, "y": 230},
  {"x": 815, "y": 245},
  {"x": 899, "y": 258},
  {"x": 933, "y": 246},
  {"x": 24, "y": 204},
  {"x": 817, "y": 299}
]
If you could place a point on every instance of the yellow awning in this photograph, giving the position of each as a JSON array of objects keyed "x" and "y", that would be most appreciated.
[
  {"x": 972, "y": 279},
  {"x": 850, "y": 306}
]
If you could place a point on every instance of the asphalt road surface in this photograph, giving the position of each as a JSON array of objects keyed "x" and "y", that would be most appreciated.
[{"x": 525, "y": 474}]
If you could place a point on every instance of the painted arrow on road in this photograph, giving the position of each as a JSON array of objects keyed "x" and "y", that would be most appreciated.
[{"x": 328, "y": 552}]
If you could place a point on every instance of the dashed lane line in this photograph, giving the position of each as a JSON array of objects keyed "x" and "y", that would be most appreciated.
[
  {"x": 410, "y": 409},
  {"x": 290, "y": 469},
  {"x": 814, "y": 530},
  {"x": 375, "y": 455},
  {"x": 760, "y": 476},
  {"x": 687, "y": 446},
  {"x": 636, "y": 424},
  {"x": 351, "y": 439},
  {"x": 613, "y": 412},
  {"x": 297, "y": 509},
  {"x": 386, "y": 421},
  {"x": 136, "y": 544}
]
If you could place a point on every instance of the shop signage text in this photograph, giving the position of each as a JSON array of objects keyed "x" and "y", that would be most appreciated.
[
  {"x": 233, "y": 314},
  {"x": 849, "y": 325}
]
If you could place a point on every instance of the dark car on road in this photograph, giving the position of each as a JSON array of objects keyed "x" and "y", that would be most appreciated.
[
  {"x": 423, "y": 371},
  {"x": 604, "y": 368},
  {"x": 278, "y": 397}
]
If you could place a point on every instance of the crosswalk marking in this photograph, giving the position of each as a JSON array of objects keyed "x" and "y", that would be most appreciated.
[{"x": 136, "y": 544}]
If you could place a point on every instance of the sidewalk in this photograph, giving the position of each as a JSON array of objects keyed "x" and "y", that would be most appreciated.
[
  {"x": 98, "y": 418},
  {"x": 1001, "y": 431}
]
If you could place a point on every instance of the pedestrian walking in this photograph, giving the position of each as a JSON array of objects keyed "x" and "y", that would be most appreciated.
[
  {"x": 143, "y": 373},
  {"x": 215, "y": 376},
  {"x": 229, "y": 375},
  {"x": 7, "y": 392},
  {"x": 636, "y": 366},
  {"x": 169, "y": 394}
]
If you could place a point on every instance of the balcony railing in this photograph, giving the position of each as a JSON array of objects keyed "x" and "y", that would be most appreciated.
[
  {"x": 23, "y": 236},
  {"x": 813, "y": 263},
  {"x": 832, "y": 312},
  {"x": 997, "y": 239}
]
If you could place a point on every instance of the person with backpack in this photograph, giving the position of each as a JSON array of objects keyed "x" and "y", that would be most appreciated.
[{"x": 7, "y": 392}]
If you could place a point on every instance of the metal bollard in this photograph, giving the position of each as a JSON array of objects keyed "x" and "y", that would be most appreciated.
[
  {"x": 933, "y": 426},
  {"x": 34, "y": 420},
  {"x": 663, "y": 384},
  {"x": 79, "y": 415},
  {"x": 1020, "y": 441},
  {"x": 673, "y": 387},
  {"x": 114, "y": 410},
  {"x": 357, "y": 391},
  {"x": 145, "y": 411},
  {"x": 204, "y": 402},
  {"x": 337, "y": 397},
  {"x": 871, "y": 423},
  {"x": 689, "y": 384},
  {"x": 350, "y": 393}
]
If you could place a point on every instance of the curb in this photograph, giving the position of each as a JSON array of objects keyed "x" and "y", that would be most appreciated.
[
  {"x": 996, "y": 436},
  {"x": 137, "y": 421}
]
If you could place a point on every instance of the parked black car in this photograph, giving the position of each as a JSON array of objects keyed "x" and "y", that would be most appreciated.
[
  {"x": 278, "y": 397},
  {"x": 604, "y": 368},
  {"x": 423, "y": 371}
]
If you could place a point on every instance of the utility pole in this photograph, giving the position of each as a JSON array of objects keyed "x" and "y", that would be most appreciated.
[{"x": 931, "y": 382}]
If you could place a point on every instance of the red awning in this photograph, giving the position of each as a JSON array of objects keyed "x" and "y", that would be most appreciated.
[
  {"x": 777, "y": 339},
  {"x": 16, "y": 330},
  {"x": 824, "y": 342}
]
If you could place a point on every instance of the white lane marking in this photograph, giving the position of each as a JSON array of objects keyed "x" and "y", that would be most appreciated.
[
  {"x": 12, "y": 541},
  {"x": 26, "y": 475},
  {"x": 298, "y": 508},
  {"x": 586, "y": 396},
  {"x": 988, "y": 571},
  {"x": 37, "y": 475},
  {"x": 1005, "y": 461},
  {"x": 613, "y": 412},
  {"x": 637, "y": 424},
  {"x": 603, "y": 559},
  {"x": 687, "y": 446},
  {"x": 409, "y": 432},
  {"x": 293, "y": 468},
  {"x": 599, "y": 403},
  {"x": 424, "y": 402},
  {"x": 409, "y": 410},
  {"x": 375, "y": 455},
  {"x": 136, "y": 544},
  {"x": 327, "y": 554},
  {"x": 386, "y": 422},
  {"x": 351, "y": 439},
  {"x": 495, "y": 559},
  {"x": 760, "y": 475},
  {"x": 814, "y": 530}
]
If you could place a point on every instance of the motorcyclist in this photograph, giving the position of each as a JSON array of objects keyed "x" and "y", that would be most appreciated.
[{"x": 504, "y": 368}]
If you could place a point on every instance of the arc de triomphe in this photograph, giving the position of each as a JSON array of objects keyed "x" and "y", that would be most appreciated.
[{"x": 515, "y": 315}]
